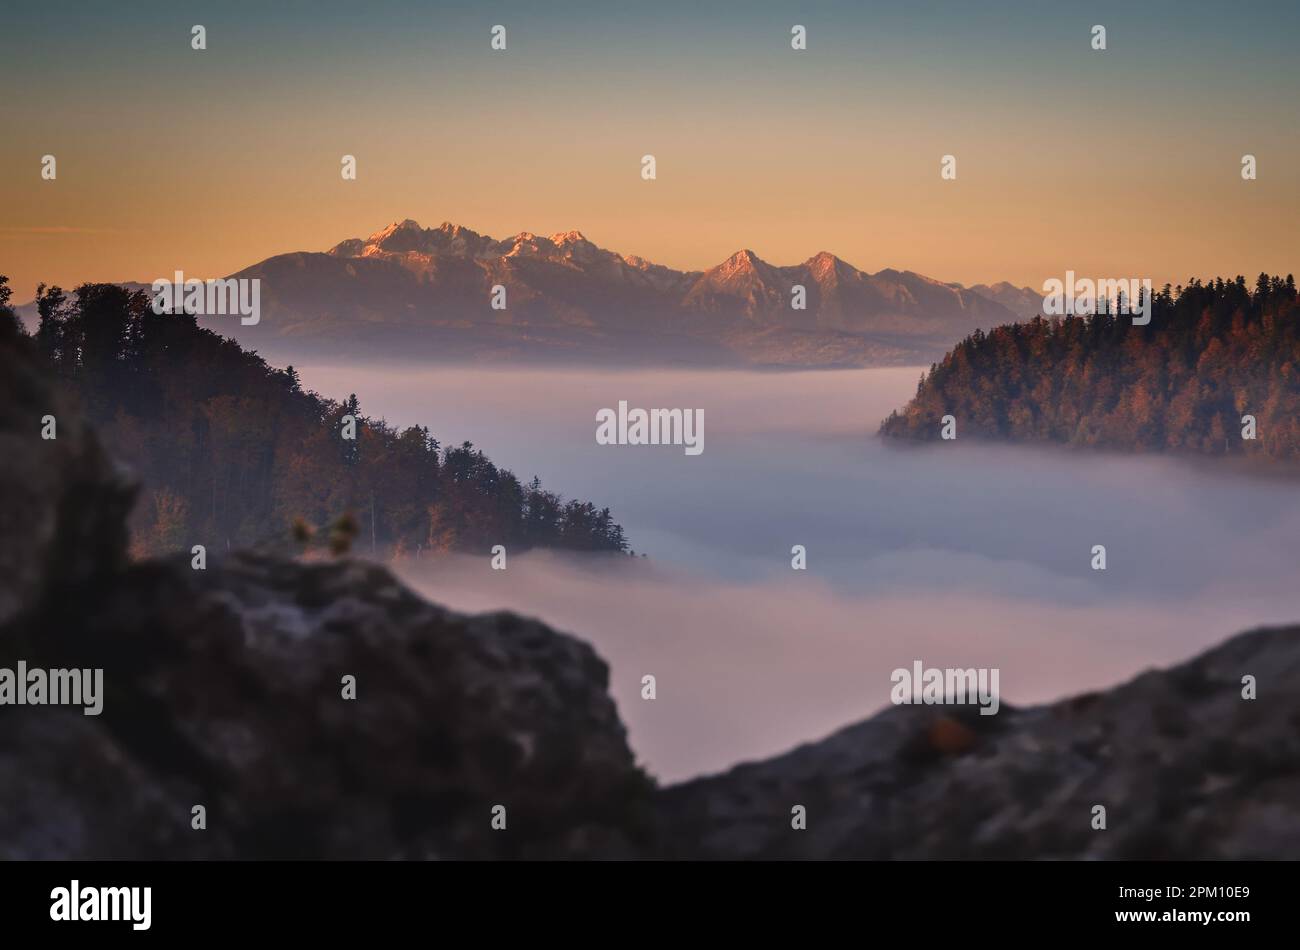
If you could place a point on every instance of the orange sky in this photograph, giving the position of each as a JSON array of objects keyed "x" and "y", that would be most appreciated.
[{"x": 208, "y": 162}]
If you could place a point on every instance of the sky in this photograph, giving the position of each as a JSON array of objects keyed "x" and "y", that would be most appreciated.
[{"x": 1117, "y": 163}]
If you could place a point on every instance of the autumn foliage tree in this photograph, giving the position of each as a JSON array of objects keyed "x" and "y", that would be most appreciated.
[
  {"x": 1212, "y": 353},
  {"x": 232, "y": 452}
]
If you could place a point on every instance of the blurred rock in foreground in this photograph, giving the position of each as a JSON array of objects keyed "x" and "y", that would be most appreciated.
[
  {"x": 224, "y": 688},
  {"x": 1185, "y": 767}
]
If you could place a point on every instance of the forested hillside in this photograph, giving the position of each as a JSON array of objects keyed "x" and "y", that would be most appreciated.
[
  {"x": 1212, "y": 353},
  {"x": 233, "y": 452}
]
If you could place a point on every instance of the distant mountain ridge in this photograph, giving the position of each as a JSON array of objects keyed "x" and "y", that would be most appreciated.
[
  {"x": 407, "y": 290},
  {"x": 1025, "y": 302}
]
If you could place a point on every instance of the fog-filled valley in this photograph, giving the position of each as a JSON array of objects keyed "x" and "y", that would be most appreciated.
[{"x": 955, "y": 554}]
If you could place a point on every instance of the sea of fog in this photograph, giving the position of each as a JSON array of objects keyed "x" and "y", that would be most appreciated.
[{"x": 954, "y": 554}]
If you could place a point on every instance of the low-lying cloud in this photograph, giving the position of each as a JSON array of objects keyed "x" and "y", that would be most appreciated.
[{"x": 956, "y": 555}]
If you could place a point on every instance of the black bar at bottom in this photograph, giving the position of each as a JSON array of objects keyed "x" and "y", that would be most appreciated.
[{"x": 336, "y": 900}]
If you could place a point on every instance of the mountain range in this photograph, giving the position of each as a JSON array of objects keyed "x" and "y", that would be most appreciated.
[{"x": 413, "y": 291}]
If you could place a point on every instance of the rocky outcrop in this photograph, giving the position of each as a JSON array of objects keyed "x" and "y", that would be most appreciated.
[
  {"x": 227, "y": 688},
  {"x": 1185, "y": 767},
  {"x": 231, "y": 687}
]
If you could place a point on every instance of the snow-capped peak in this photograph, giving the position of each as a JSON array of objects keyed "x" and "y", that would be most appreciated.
[
  {"x": 396, "y": 227},
  {"x": 569, "y": 237}
]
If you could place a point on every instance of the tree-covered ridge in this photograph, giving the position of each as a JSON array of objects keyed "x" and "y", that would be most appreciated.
[
  {"x": 1212, "y": 353},
  {"x": 233, "y": 452}
]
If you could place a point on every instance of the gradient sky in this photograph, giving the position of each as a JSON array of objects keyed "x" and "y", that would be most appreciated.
[{"x": 1117, "y": 163}]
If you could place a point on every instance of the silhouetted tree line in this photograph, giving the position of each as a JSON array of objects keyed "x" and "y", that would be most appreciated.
[
  {"x": 234, "y": 452},
  {"x": 10, "y": 327},
  {"x": 1212, "y": 353}
]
